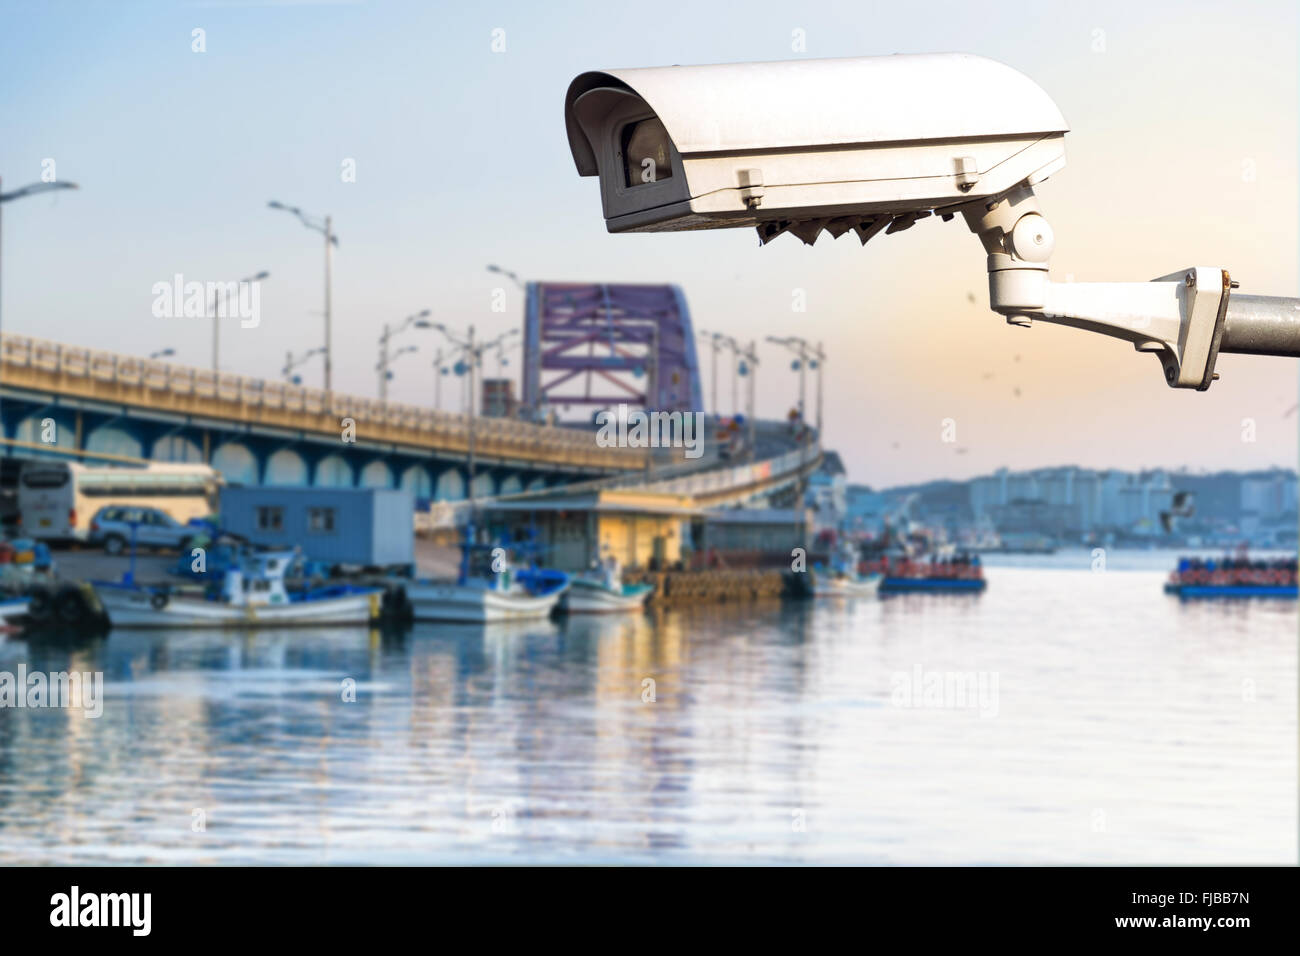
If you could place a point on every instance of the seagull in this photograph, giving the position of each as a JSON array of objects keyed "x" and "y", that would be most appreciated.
[{"x": 1182, "y": 507}]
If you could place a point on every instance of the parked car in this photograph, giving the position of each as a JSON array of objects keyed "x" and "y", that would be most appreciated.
[{"x": 112, "y": 528}]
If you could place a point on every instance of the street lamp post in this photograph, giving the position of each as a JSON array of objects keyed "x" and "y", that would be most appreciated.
[
  {"x": 806, "y": 353},
  {"x": 290, "y": 363},
  {"x": 162, "y": 353},
  {"x": 383, "y": 368},
  {"x": 29, "y": 190},
  {"x": 418, "y": 320},
  {"x": 474, "y": 356},
  {"x": 326, "y": 228},
  {"x": 737, "y": 352},
  {"x": 437, "y": 380},
  {"x": 508, "y": 274},
  {"x": 715, "y": 340},
  {"x": 735, "y": 377},
  {"x": 821, "y": 361},
  {"x": 501, "y": 357},
  {"x": 751, "y": 360},
  {"x": 222, "y": 296}
]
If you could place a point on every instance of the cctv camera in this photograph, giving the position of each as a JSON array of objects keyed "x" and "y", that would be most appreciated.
[
  {"x": 873, "y": 144},
  {"x": 864, "y": 144}
]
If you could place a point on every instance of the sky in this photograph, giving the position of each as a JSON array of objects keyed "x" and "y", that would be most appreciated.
[{"x": 1182, "y": 151}]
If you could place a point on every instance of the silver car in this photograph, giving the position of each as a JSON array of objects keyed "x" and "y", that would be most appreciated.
[{"x": 114, "y": 525}]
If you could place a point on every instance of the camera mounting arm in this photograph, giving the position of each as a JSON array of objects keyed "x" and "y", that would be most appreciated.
[{"x": 1186, "y": 318}]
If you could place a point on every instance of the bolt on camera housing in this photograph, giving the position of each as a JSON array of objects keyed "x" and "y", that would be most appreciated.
[{"x": 874, "y": 144}]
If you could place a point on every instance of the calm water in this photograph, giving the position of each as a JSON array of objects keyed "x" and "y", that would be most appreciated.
[{"x": 1116, "y": 724}]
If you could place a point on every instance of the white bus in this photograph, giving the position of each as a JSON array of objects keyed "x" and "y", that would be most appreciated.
[{"x": 57, "y": 499}]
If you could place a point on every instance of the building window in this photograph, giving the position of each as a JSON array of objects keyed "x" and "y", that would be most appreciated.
[
  {"x": 270, "y": 519},
  {"x": 320, "y": 520}
]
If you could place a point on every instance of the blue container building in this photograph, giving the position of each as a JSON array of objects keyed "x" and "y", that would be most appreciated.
[{"x": 365, "y": 527}]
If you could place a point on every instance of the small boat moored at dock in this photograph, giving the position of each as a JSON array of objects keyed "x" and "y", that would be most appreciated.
[
  {"x": 507, "y": 596},
  {"x": 603, "y": 592},
  {"x": 252, "y": 594},
  {"x": 487, "y": 588},
  {"x": 828, "y": 584}
]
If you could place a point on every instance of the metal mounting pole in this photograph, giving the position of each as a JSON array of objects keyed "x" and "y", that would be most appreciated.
[{"x": 1261, "y": 325}]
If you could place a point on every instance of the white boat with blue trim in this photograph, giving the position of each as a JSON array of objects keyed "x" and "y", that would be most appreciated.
[
  {"x": 603, "y": 592},
  {"x": 829, "y": 584},
  {"x": 505, "y": 596},
  {"x": 251, "y": 594}
]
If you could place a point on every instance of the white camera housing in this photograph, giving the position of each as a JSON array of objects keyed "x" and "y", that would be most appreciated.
[{"x": 860, "y": 143}]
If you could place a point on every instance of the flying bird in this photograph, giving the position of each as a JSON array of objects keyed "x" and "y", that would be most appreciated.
[{"x": 1182, "y": 506}]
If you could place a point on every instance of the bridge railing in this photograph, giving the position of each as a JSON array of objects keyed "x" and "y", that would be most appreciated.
[
  {"x": 721, "y": 481},
  {"x": 238, "y": 396},
  {"x": 704, "y": 480}
]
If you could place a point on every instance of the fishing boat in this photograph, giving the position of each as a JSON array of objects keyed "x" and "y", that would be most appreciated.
[
  {"x": 826, "y": 584},
  {"x": 603, "y": 592},
  {"x": 944, "y": 571},
  {"x": 1233, "y": 577},
  {"x": 251, "y": 594},
  {"x": 915, "y": 559},
  {"x": 898, "y": 584},
  {"x": 505, "y": 596},
  {"x": 488, "y": 587},
  {"x": 842, "y": 578}
]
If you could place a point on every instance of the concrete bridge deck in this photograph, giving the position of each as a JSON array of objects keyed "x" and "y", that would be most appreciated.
[{"x": 74, "y": 374}]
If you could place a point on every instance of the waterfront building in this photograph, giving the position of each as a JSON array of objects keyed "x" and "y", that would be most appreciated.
[{"x": 356, "y": 526}]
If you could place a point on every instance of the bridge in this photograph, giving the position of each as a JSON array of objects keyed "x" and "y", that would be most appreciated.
[
  {"x": 257, "y": 431},
  {"x": 602, "y": 345},
  {"x": 630, "y": 344}
]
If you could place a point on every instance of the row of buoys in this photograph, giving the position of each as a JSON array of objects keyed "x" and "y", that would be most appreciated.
[{"x": 715, "y": 585}]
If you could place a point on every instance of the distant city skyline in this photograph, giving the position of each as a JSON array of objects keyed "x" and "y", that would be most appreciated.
[
  {"x": 1170, "y": 470},
  {"x": 448, "y": 153}
]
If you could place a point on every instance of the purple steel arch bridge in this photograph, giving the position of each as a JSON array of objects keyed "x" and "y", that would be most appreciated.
[{"x": 602, "y": 345}]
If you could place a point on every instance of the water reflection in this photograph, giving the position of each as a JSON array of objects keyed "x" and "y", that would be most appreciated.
[{"x": 1128, "y": 727}]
